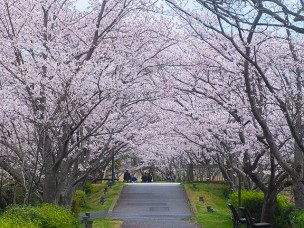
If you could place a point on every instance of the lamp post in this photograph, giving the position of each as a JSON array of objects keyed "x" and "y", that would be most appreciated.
[
  {"x": 113, "y": 170},
  {"x": 239, "y": 191}
]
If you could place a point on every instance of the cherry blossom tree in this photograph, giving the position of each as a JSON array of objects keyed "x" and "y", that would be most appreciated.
[
  {"x": 72, "y": 84},
  {"x": 270, "y": 83}
]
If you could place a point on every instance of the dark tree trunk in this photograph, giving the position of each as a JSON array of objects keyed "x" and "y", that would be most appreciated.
[
  {"x": 49, "y": 185},
  {"x": 298, "y": 190},
  {"x": 268, "y": 209}
]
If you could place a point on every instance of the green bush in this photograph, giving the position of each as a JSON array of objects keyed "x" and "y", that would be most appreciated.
[
  {"x": 81, "y": 197},
  {"x": 19, "y": 222},
  {"x": 46, "y": 216},
  {"x": 253, "y": 201},
  {"x": 88, "y": 188},
  {"x": 15, "y": 194},
  {"x": 282, "y": 213},
  {"x": 297, "y": 218},
  {"x": 226, "y": 191},
  {"x": 79, "y": 200}
]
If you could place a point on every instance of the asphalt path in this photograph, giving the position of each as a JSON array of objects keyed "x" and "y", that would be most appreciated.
[{"x": 153, "y": 205}]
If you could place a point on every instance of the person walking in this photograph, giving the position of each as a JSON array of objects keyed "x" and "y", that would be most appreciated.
[
  {"x": 144, "y": 178},
  {"x": 149, "y": 178},
  {"x": 127, "y": 176}
]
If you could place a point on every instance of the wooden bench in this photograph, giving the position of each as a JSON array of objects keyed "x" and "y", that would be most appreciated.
[
  {"x": 237, "y": 221},
  {"x": 250, "y": 222}
]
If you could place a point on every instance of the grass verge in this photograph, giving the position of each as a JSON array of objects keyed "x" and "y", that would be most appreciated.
[
  {"x": 93, "y": 198},
  {"x": 106, "y": 223},
  {"x": 93, "y": 204},
  {"x": 214, "y": 196}
]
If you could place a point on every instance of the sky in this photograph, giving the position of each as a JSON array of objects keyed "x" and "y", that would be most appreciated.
[{"x": 82, "y": 4}]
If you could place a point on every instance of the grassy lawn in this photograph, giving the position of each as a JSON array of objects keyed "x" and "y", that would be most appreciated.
[
  {"x": 93, "y": 204},
  {"x": 93, "y": 198},
  {"x": 213, "y": 196},
  {"x": 106, "y": 223}
]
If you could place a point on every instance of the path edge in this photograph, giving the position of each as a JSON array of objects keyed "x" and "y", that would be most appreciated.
[
  {"x": 114, "y": 203},
  {"x": 190, "y": 203}
]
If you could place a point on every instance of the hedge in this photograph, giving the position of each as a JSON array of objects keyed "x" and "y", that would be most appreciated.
[
  {"x": 46, "y": 216},
  {"x": 253, "y": 201}
]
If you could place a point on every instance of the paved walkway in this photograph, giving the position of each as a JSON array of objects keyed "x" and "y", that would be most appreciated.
[{"x": 153, "y": 205}]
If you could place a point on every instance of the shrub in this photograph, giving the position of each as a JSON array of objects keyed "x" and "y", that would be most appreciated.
[
  {"x": 297, "y": 218},
  {"x": 57, "y": 216},
  {"x": 88, "y": 188},
  {"x": 46, "y": 216},
  {"x": 78, "y": 202},
  {"x": 226, "y": 191},
  {"x": 81, "y": 197},
  {"x": 15, "y": 194},
  {"x": 283, "y": 210},
  {"x": 253, "y": 201},
  {"x": 6, "y": 222}
]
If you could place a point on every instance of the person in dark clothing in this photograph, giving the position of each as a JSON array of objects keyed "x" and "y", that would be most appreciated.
[
  {"x": 127, "y": 176},
  {"x": 144, "y": 178},
  {"x": 149, "y": 178}
]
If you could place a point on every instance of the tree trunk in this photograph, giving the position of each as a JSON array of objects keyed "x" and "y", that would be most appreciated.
[
  {"x": 58, "y": 188},
  {"x": 66, "y": 197},
  {"x": 298, "y": 185},
  {"x": 268, "y": 209},
  {"x": 49, "y": 185},
  {"x": 298, "y": 190}
]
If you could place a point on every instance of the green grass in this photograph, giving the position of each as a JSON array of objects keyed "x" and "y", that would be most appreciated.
[
  {"x": 93, "y": 199},
  {"x": 93, "y": 204},
  {"x": 106, "y": 223},
  {"x": 213, "y": 196}
]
